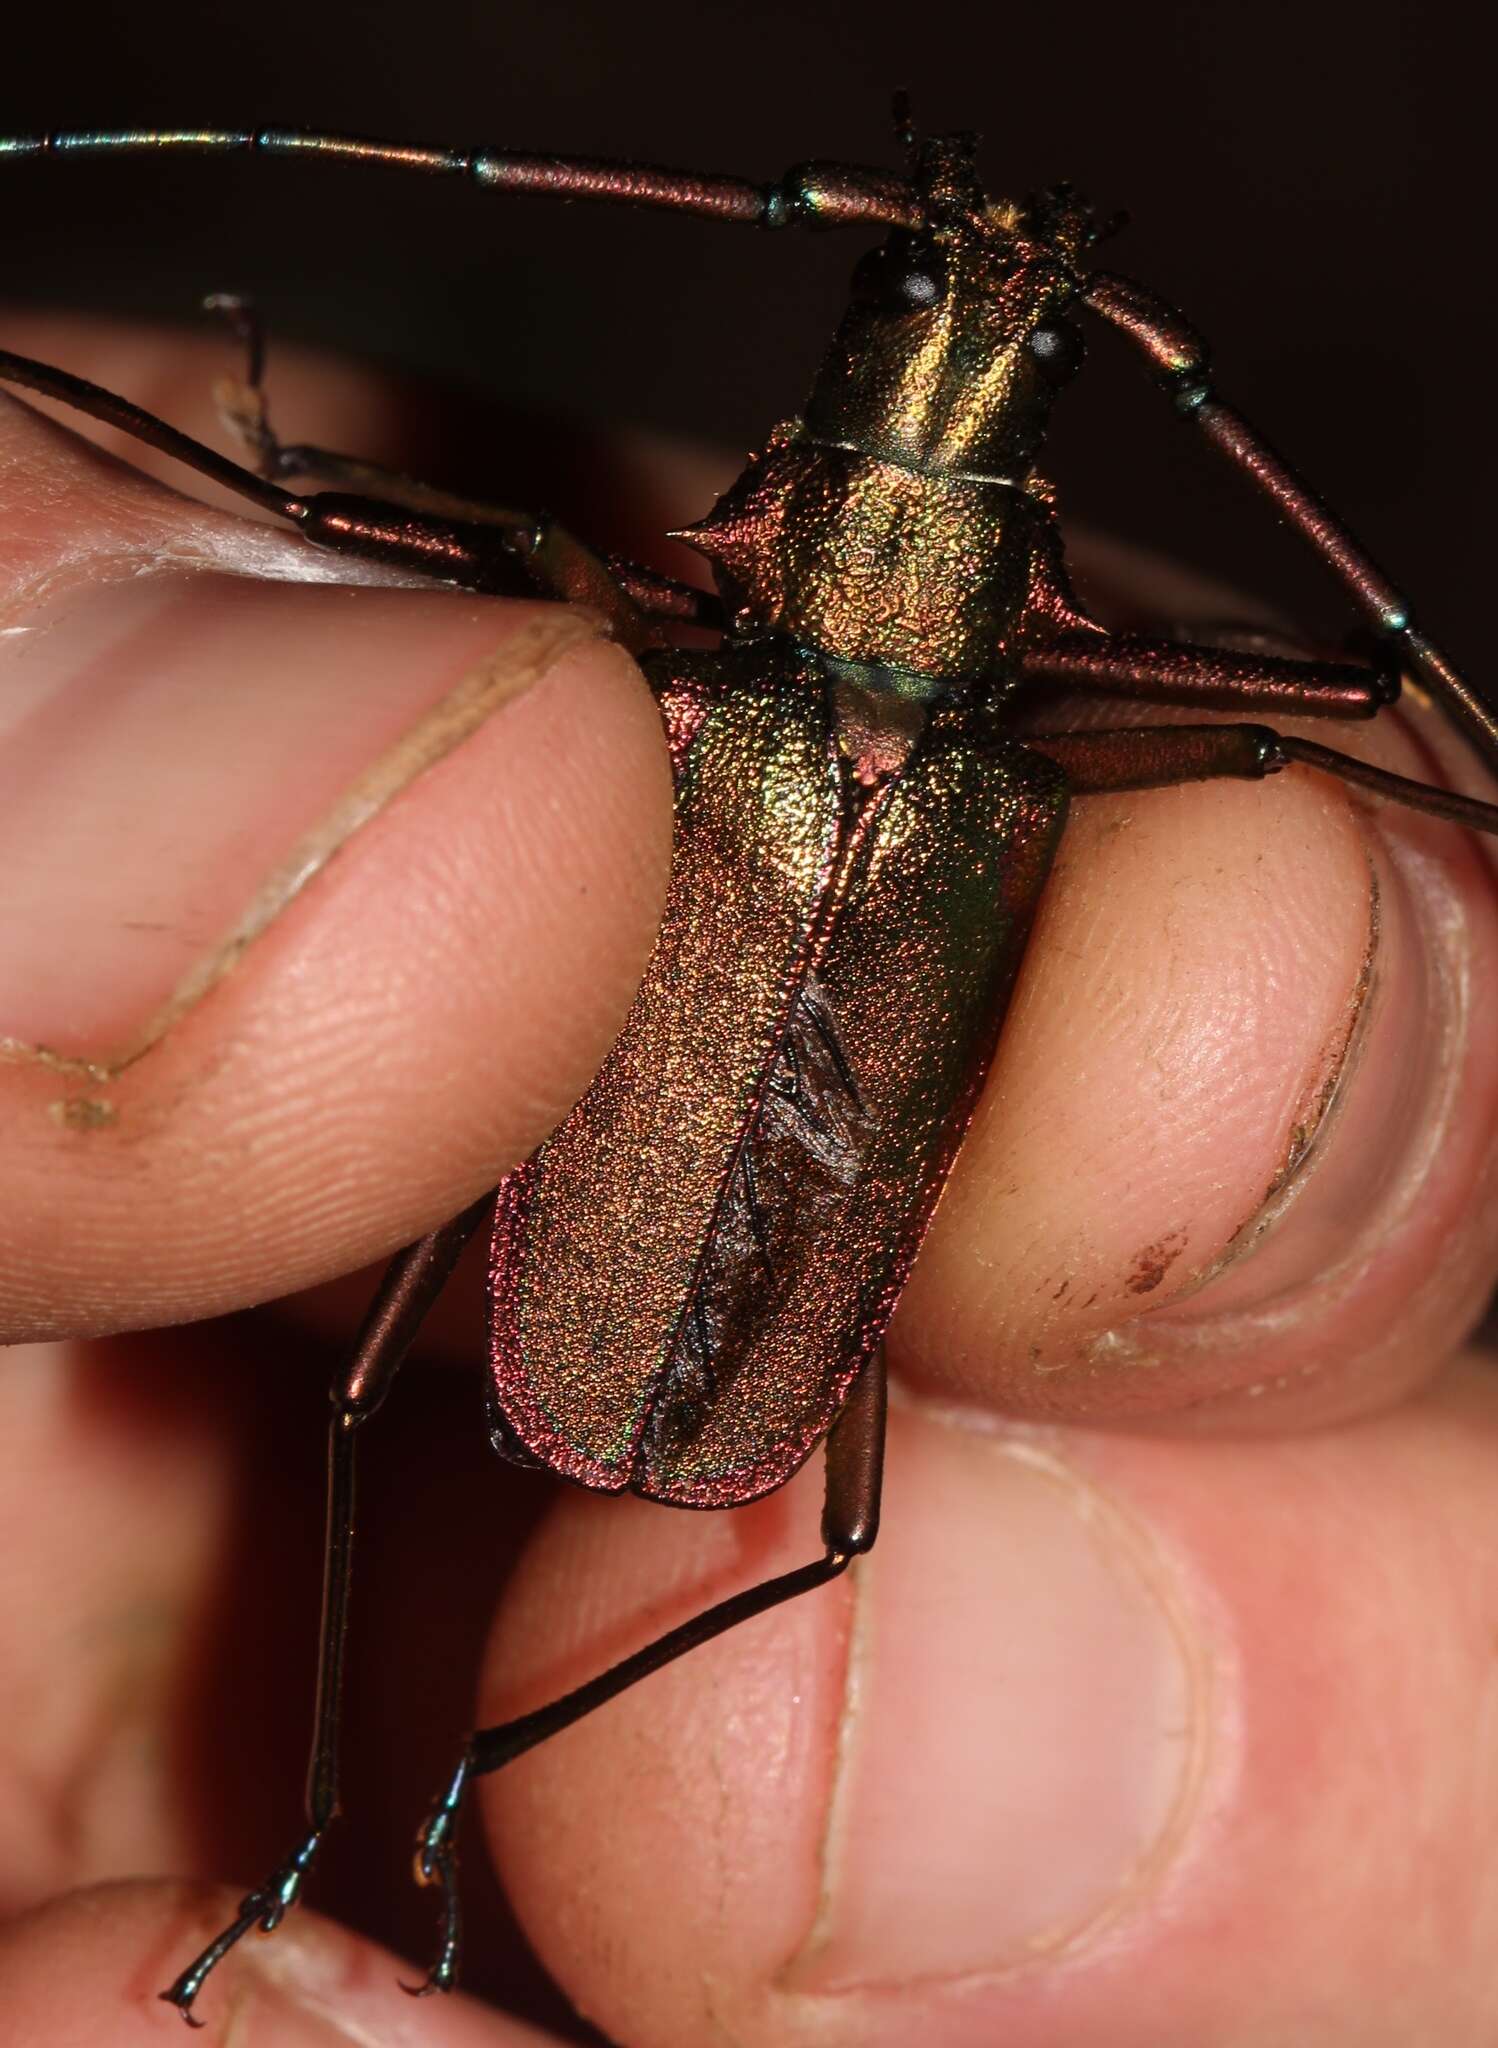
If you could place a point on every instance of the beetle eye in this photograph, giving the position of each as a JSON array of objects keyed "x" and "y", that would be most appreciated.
[
  {"x": 904, "y": 276},
  {"x": 1058, "y": 347}
]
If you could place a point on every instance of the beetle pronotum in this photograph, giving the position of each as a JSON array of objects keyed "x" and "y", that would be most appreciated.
[{"x": 861, "y": 840}]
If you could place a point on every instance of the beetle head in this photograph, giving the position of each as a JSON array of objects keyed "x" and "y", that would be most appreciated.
[{"x": 957, "y": 338}]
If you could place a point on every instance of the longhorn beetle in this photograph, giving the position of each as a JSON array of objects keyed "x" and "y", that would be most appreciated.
[{"x": 691, "y": 1278}]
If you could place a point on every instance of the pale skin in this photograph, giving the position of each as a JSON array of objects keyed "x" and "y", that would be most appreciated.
[{"x": 1162, "y": 1712}]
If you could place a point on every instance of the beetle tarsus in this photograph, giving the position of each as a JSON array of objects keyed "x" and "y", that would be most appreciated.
[
  {"x": 241, "y": 401},
  {"x": 437, "y": 1863},
  {"x": 265, "y": 1907},
  {"x": 442, "y": 1868},
  {"x": 243, "y": 319}
]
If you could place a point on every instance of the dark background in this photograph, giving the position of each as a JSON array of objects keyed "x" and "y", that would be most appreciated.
[
  {"x": 1302, "y": 180},
  {"x": 1310, "y": 183}
]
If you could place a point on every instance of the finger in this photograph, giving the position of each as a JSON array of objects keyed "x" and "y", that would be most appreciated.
[
  {"x": 86, "y": 1969},
  {"x": 1108, "y": 1741},
  {"x": 1355, "y": 2036},
  {"x": 158, "y": 1628},
  {"x": 1272, "y": 1057},
  {"x": 325, "y": 902},
  {"x": 1231, "y": 1168}
]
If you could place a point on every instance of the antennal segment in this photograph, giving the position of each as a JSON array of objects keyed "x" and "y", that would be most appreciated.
[{"x": 821, "y": 195}]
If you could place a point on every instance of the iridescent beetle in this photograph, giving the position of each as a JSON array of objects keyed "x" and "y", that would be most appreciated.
[{"x": 690, "y": 1280}]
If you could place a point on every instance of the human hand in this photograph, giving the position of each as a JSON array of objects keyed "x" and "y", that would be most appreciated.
[{"x": 1117, "y": 1737}]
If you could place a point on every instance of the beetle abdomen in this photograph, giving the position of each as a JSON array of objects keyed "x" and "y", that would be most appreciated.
[{"x": 689, "y": 1273}]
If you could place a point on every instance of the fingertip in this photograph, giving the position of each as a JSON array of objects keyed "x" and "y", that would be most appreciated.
[
  {"x": 1106, "y": 1742},
  {"x": 91, "y": 1967},
  {"x": 335, "y": 899},
  {"x": 1185, "y": 1007},
  {"x": 858, "y": 1816},
  {"x": 673, "y": 1839},
  {"x": 1228, "y": 1171}
]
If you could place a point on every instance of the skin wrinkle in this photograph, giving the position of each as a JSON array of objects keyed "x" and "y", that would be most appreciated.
[
  {"x": 520, "y": 662},
  {"x": 1206, "y": 1778}
]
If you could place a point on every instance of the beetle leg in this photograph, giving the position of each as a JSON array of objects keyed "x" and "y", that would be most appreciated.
[
  {"x": 241, "y": 401},
  {"x": 567, "y": 567},
  {"x": 850, "y": 1522},
  {"x": 1163, "y": 756},
  {"x": 1180, "y": 354},
  {"x": 114, "y": 411},
  {"x": 412, "y": 1282},
  {"x": 477, "y": 547},
  {"x": 1159, "y": 756},
  {"x": 1209, "y": 678}
]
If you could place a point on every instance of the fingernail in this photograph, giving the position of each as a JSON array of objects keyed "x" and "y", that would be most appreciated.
[
  {"x": 316, "y": 1986},
  {"x": 265, "y": 2017},
  {"x": 1024, "y": 1738},
  {"x": 1361, "y": 1159},
  {"x": 180, "y": 755}
]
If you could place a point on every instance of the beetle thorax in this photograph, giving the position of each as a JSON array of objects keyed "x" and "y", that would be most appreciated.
[
  {"x": 895, "y": 526},
  {"x": 919, "y": 577}
]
